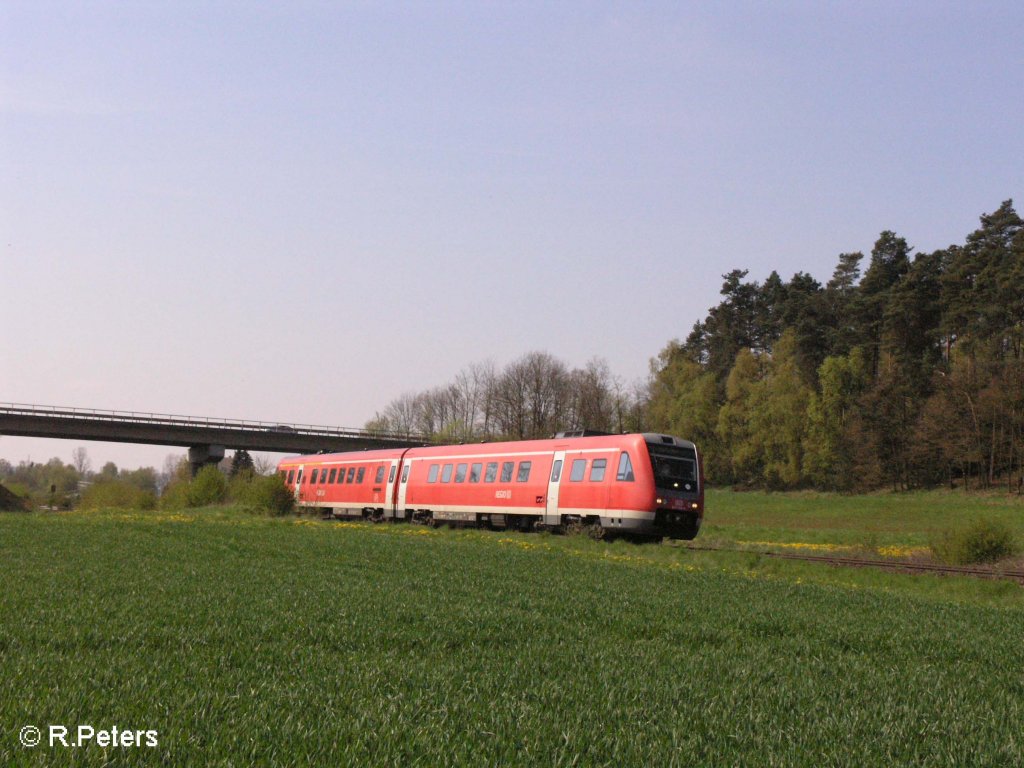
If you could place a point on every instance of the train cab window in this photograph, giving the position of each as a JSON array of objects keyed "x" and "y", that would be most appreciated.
[
  {"x": 432, "y": 474},
  {"x": 474, "y": 473},
  {"x": 360, "y": 474},
  {"x": 334, "y": 475},
  {"x": 506, "y": 471},
  {"x": 446, "y": 473},
  {"x": 625, "y": 468},
  {"x": 579, "y": 469},
  {"x": 491, "y": 473},
  {"x": 460, "y": 473},
  {"x": 391, "y": 474},
  {"x": 291, "y": 476},
  {"x": 597, "y": 470},
  {"x": 556, "y": 471},
  {"x": 524, "y": 472},
  {"x": 405, "y": 472},
  {"x": 351, "y": 474},
  {"x": 379, "y": 477},
  {"x": 312, "y": 477}
]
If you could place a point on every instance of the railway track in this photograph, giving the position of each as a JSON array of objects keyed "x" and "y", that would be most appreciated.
[{"x": 890, "y": 565}]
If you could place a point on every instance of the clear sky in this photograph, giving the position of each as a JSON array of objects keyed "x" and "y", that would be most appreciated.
[{"x": 298, "y": 211}]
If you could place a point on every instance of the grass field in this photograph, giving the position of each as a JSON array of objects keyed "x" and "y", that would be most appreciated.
[
  {"x": 883, "y": 519},
  {"x": 246, "y": 640}
]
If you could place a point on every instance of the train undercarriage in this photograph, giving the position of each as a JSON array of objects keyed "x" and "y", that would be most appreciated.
[{"x": 665, "y": 523}]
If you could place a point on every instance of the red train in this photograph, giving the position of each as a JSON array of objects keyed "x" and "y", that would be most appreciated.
[{"x": 641, "y": 484}]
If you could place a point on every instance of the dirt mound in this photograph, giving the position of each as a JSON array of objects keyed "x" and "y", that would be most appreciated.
[{"x": 11, "y": 503}]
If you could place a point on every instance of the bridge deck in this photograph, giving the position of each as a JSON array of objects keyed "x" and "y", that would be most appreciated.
[{"x": 21, "y": 420}]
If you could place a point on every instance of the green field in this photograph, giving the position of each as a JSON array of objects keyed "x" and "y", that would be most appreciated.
[
  {"x": 253, "y": 641},
  {"x": 882, "y": 519}
]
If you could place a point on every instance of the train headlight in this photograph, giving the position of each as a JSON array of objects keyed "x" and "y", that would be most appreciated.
[
  {"x": 695, "y": 505},
  {"x": 660, "y": 501}
]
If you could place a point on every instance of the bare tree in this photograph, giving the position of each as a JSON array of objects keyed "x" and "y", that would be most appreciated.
[
  {"x": 263, "y": 464},
  {"x": 81, "y": 462}
]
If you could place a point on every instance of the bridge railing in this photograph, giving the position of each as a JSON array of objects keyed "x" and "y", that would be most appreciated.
[{"x": 167, "y": 419}]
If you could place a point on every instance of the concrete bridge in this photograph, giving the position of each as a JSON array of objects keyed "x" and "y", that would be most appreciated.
[{"x": 206, "y": 438}]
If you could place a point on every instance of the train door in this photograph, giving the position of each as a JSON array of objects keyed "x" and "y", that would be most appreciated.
[
  {"x": 403, "y": 484},
  {"x": 551, "y": 514},
  {"x": 298, "y": 482},
  {"x": 390, "y": 489}
]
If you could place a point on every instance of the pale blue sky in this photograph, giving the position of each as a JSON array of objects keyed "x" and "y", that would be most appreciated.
[{"x": 299, "y": 212}]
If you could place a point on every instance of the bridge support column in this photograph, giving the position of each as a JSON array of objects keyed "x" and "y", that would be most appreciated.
[{"x": 201, "y": 455}]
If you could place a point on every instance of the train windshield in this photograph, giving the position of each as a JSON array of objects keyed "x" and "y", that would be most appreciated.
[{"x": 675, "y": 468}]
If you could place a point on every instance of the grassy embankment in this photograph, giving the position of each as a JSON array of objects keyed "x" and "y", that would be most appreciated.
[{"x": 248, "y": 640}]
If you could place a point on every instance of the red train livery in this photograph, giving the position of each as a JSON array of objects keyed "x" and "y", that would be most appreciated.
[{"x": 642, "y": 484}]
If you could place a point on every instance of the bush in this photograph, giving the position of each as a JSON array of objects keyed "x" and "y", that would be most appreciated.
[
  {"x": 209, "y": 486},
  {"x": 118, "y": 494},
  {"x": 262, "y": 493},
  {"x": 981, "y": 541},
  {"x": 175, "y": 495}
]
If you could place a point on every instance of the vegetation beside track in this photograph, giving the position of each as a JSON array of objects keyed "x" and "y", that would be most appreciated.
[
  {"x": 245, "y": 639},
  {"x": 867, "y": 521}
]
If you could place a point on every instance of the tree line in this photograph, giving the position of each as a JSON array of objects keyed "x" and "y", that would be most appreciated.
[
  {"x": 534, "y": 396},
  {"x": 60, "y": 485},
  {"x": 905, "y": 372}
]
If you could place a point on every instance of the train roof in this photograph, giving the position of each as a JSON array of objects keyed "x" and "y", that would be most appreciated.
[
  {"x": 655, "y": 438},
  {"x": 567, "y": 442}
]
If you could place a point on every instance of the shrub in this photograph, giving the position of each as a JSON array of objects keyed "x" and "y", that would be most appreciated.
[
  {"x": 175, "y": 495},
  {"x": 980, "y": 541},
  {"x": 263, "y": 493},
  {"x": 209, "y": 486},
  {"x": 116, "y": 493}
]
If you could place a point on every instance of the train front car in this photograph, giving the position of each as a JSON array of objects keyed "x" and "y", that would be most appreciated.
[{"x": 673, "y": 482}]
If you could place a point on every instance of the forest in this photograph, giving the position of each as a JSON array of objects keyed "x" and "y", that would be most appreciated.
[{"x": 903, "y": 371}]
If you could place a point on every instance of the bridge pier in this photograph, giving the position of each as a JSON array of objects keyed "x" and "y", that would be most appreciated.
[{"x": 201, "y": 455}]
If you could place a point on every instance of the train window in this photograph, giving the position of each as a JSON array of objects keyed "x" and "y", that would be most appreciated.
[
  {"x": 597, "y": 470},
  {"x": 379, "y": 477},
  {"x": 360, "y": 474},
  {"x": 432, "y": 474},
  {"x": 312, "y": 477},
  {"x": 556, "y": 471},
  {"x": 474, "y": 473},
  {"x": 625, "y": 468},
  {"x": 405, "y": 472},
  {"x": 524, "y": 472},
  {"x": 460, "y": 473},
  {"x": 334, "y": 475},
  {"x": 579, "y": 468},
  {"x": 492, "y": 472},
  {"x": 506, "y": 471},
  {"x": 351, "y": 474},
  {"x": 291, "y": 476},
  {"x": 446, "y": 473},
  {"x": 391, "y": 474}
]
